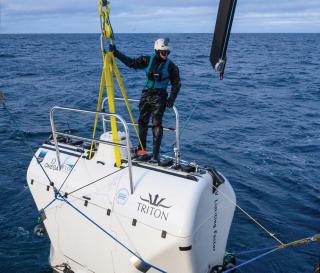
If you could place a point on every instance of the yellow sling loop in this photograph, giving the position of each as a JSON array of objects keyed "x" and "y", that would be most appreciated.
[{"x": 109, "y": 70}]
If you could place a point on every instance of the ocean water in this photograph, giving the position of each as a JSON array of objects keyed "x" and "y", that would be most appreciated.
[{"x": 260, "y": 127}]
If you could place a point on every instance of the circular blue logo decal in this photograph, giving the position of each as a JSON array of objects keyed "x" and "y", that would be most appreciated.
[{"x": 122, "y": 196}]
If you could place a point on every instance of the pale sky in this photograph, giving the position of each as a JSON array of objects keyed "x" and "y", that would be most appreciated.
[{"x": 165, "y": 16}]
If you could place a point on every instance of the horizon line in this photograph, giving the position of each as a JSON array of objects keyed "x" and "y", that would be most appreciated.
[{"x": 134, "y": 33}]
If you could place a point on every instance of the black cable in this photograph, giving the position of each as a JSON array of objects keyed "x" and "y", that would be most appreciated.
[{"x": 94, "y": 182}]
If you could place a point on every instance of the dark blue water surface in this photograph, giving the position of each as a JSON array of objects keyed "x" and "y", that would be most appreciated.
[{"x": 260, "y": 127}]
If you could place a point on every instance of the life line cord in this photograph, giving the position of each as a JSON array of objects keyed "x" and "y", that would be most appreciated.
[
  {"x": 315, "y": 238},
  {"x": 249, "y": 216}
]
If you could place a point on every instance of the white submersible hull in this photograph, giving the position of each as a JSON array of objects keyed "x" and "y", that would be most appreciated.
[{"x": 137, "y": 218}]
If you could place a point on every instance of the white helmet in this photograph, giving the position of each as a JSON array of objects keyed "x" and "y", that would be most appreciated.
[{"x": 162, "y": 44}]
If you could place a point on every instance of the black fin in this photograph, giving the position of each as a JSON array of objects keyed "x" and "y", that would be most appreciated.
[{"x": 222, "y": 34}]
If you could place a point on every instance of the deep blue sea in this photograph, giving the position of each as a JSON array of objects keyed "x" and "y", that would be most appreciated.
[{"x": 260, "y": 127}]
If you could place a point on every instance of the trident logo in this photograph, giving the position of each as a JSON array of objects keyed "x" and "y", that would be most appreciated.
[{"x": 155, "y": 202}]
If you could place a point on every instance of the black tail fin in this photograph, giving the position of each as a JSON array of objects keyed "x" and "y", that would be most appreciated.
[{"x": 221, "y": 35}]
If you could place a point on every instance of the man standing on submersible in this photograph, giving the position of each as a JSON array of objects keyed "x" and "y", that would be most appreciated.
[{"x": 160, "y": 70}]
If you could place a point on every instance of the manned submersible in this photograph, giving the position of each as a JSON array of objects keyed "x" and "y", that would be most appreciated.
[{"x": 105, "y": 214}]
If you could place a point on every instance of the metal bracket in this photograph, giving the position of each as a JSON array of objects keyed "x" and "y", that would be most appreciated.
[
  {"x": 217, "y": 179},
  {"x": 139, "y": 264},
  {"x": 42, "y": 215},
  {"x": 219, "y": 67},
  {"x": 105, "y": 3}
]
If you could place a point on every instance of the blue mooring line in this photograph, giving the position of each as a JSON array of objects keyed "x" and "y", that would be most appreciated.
[
  {"x": 251, "y": 260},
  {"x": 252, "y": 251},
  {"x": 50, "y": 203},
  {"x": 61, "y": 198}
]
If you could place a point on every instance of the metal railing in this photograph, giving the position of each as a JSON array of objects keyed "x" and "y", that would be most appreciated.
[
  {"x": 176, "y": 129},
  {"x": 55, "y": 134}
]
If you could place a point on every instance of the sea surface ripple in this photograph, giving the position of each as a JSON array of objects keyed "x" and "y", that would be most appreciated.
[{"x": 260, "y": 127}]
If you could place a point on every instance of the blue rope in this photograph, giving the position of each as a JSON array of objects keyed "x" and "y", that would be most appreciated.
[
  {"x": 252, "y": 251},
  {"x": 50, "y": 203},
  {"x": 110, "y": 235},
  {"x": 61, "y": 198},
  {"x": 251, "y": 260}
]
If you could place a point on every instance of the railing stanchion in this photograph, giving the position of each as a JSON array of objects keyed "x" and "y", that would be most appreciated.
[
  {"x": 54, "y": 135},
  {"x": 177, "y": 148},
  {"x": 177, "y": 129},
  {"x": 125, "y": 126},
  {"x": 126, "y": 129}
]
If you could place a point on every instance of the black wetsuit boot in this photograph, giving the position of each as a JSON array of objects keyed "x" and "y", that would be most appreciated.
[
  {"x": 143, "y": 131},
  {"x": 157, "y": 137}
]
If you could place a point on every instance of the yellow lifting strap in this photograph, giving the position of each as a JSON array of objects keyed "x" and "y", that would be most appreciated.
[
  {"x": 110, "y": 69},
  {"x": 111, "y": 104},
  {"x": 125, "y": 97},
  {"x": 107, "y": 82}
]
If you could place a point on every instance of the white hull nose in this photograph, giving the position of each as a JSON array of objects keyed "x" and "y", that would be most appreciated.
[{"x": 175, "y": 222}]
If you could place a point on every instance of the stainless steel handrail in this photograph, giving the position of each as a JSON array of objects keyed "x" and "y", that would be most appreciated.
[
  {"x": 177, "y": 129},
  {"x": 125, "y": 126}
]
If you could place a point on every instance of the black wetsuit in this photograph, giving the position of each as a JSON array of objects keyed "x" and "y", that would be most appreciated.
[{"x": 153, "y": 101}]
